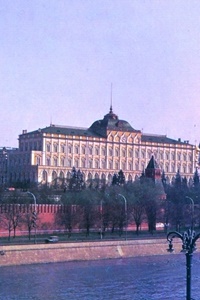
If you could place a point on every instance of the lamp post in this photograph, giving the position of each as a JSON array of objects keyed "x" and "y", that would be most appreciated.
[
  {"x": 188, "y": 239},
  {"x": 34, "y": 216},
  {"x": 125, "y": 208},
  {"x": 101, "y": 208}
]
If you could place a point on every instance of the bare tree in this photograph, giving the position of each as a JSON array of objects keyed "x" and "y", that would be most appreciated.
[
  {"x": 29, "y": 220},
  {"x": 67, "y": 217},
  {"x": 12, "y": 219}
]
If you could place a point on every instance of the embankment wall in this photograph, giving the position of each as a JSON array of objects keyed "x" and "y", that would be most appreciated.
[{"x": 60, "y": 252}]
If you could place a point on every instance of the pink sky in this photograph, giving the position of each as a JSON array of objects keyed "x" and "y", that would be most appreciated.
[{"x": 58, "y": 59}]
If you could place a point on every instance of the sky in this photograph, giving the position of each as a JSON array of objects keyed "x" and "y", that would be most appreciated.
[{"x": 59, "y": 59}]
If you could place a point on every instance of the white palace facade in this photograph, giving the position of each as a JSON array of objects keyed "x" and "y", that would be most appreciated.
[{"x": 100, "y": 151}]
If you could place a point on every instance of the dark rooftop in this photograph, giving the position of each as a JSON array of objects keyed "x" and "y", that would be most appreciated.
[{"x": 153, "y": 138}]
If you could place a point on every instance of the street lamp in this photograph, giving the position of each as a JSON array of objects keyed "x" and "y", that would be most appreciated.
[
  {"x": 188, "y": 239},
  {"x": 125, "y": 208},
  {"x": 34, "y": 216},
  {"x": 101, "y": 208}
]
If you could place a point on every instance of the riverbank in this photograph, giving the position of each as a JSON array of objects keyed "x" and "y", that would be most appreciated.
[{"x": 78, "y": 251}]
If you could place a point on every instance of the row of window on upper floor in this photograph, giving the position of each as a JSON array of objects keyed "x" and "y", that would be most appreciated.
[
  {"x": 19, "y": 160},
  {"x": 36, "y": 145},
  {"x": 160, "y": 156},
  {"x": 124, "y": 152},
  {"x": 31, "y": 145},
  {"x": 185, "y": 168}
]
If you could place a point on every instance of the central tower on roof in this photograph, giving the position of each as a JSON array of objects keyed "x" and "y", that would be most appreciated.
[
  {"x": 110, "y": 122},
  {"x": 111, "y": 115}
]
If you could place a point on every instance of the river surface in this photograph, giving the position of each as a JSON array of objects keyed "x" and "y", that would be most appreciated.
[{"x": 141, "y": 278}]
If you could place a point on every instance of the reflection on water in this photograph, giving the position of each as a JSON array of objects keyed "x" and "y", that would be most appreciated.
[{"x": 143, "y": 278}]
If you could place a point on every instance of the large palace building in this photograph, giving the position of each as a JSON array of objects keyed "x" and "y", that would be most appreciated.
[{"x": 100, "y": 151}]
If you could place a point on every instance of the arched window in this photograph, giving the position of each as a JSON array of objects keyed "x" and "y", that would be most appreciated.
[
  {"x": 44, "y": 176},
  {"x": 130, "y": 153},
  {"x": 83, "y": 149},
  {"x": 172, "y": 167},
  {"x": 103, "y": 176},
  {"x": 83, "y": 163},
  {"x": 55, "y": 161},
  {"x": 62, "y": 175},
  {"x": 123, "y": 152},
  {"x": 54, "y": 175},
  {"x": 103, "y": 151},
  {"x": 76, "y": 149},
  {"x": 116, "y": 165},
  {"x": 38, "y": 160},
  {"x": 96, "y": 150},
  {"x": 136, "y": 153},
  {"x": 110, "y": 178},
  {"x": 62, "y": 148},
  {"x": 142, "y": 165},
  {"x": 89, "y": 176},
  {"x": 90, "y": 150},
  {"x": 143, "y": 153},
  {"x": 136, "y": 166},
  {"x": 62, "y": 161},
  {"x": 96, "y": 164},
  {"x": 69, "y": 162},
  {"x": 70, "y": 149},
  {"x": 103, "y": 164},
  {"x": 48, "y": 147},
  {"x": 116, "y": 152},
  {"x": 173, "y": 156},
  {"x": 55, "y": 147},
  {"x": 48, "y": 161},
  {"x": 90, "y": 163}
]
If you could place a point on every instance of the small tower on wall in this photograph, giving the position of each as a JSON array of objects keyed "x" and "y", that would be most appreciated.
[{"x": 153, "y": 171}]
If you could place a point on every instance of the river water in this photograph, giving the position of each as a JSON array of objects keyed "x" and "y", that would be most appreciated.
[{"x": 141, "y": 278}]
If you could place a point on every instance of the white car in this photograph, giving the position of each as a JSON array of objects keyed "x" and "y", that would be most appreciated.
[{"x": 52, "y": 239}]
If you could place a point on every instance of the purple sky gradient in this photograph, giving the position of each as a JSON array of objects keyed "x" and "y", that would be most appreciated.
[{"x": 58, "y": 59}]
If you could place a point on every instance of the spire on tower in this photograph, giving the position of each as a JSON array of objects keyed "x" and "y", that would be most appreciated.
[{"x": 111, "y": 111}]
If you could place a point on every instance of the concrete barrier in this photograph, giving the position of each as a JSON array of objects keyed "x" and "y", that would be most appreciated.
[{"x": 60, "y": 252}]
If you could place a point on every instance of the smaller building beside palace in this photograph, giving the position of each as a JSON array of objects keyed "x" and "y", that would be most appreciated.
[{"x": 100, "y": 151}]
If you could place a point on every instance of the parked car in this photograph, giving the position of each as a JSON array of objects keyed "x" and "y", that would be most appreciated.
[{"x": 52, "y": 239}]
